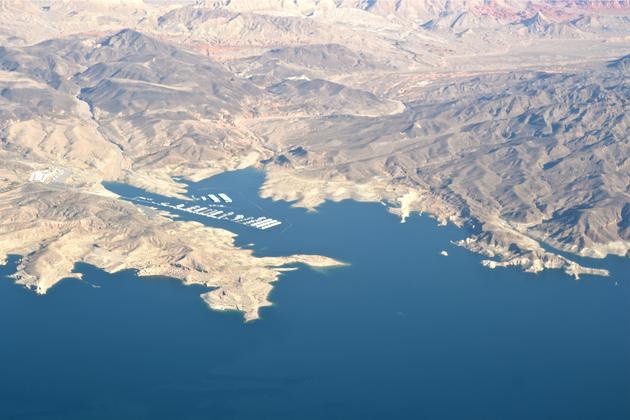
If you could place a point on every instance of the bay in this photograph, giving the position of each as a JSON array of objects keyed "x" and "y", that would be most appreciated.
[{"x": 401, "y": 333}]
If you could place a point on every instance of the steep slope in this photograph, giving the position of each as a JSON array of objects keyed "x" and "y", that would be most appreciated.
[
  {"x": 299, "y": 97},
  {"x": 312, "y": 61},
  {"x": 542, "y": 161},
  {"x": 223, "y": 27},
  {"x": 56, "y": 149}
]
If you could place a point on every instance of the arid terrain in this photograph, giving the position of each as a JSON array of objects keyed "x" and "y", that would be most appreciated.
[{"x": 509, "y": 117}]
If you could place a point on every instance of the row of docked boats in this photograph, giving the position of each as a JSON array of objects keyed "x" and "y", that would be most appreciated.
[{"x": 214, "y": 210}]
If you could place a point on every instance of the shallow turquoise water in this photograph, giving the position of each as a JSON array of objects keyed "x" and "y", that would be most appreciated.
[{"x": 402, "y": 333}]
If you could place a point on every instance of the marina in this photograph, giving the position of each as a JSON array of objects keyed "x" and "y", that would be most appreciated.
[{"x": 216, "y": 210}]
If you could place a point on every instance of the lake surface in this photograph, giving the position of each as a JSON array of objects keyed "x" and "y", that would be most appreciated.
[{"x": 402, "y": 333}]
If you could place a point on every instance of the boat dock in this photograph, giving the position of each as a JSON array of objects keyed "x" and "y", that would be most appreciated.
[
  {"x": 212, "y": 208},
  {"x": 215, "y": 198},
  {"x": 225, "y": 197}
]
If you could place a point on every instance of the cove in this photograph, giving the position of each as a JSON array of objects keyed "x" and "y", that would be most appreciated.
[{"x": 401, "y": 333}]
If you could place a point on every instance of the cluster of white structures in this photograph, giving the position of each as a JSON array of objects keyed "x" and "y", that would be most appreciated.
[
  {"x": 46, "y": 176},
  {"x": 216, "y": 211},
  {"x": 218, "y": 198}
]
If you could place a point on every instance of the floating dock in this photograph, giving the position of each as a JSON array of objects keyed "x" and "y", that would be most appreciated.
[
  {"x": 270, "y": 225},
  {"x": 211, "y": 210},
  {"x": 225, "y": 197}
]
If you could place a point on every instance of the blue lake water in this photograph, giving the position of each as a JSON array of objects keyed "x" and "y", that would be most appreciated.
[{"x": 402, "y": 333}]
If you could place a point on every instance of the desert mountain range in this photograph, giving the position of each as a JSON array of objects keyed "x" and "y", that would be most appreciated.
[{"x": 508, "y": 117}]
